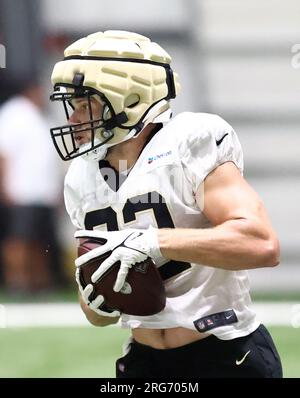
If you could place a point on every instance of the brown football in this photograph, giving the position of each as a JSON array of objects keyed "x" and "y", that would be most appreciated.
[{"x": 143, "y": 292}]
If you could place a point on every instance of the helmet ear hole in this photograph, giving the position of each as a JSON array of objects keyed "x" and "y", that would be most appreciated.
[{"x": 131, "y": 101}]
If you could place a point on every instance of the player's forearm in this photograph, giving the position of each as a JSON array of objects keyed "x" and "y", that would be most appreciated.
[
  {"x": 94, "y": 318},
  {"x": 234, "y": 245}
]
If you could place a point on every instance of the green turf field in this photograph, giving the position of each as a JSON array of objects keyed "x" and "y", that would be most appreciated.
[{"x": 91, "y": 351}]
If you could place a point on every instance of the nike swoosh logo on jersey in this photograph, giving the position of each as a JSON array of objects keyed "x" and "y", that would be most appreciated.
[
  {"x": 218, "y": 142},
  {"x": 239, "y": 362}
]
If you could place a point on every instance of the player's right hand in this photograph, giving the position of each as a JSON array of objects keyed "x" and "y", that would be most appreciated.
[{"x": 129, "y": 246}]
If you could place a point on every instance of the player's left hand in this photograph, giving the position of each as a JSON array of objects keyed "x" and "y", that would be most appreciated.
[
  {"x": 129, "y": 246},
  {"x": 97, "y": 304}
]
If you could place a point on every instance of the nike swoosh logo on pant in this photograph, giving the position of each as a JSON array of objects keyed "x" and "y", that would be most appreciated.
[{"x": 239, "y": 362}]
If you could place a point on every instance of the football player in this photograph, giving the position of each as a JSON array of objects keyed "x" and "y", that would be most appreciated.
[{"x": 178, "y": 183}]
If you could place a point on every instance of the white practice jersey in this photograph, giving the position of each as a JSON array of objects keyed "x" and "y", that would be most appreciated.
[{"x": 160, "y": 190}]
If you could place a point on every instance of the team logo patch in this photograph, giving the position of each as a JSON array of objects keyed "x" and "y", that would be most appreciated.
[{"x": 215, "y": 320}]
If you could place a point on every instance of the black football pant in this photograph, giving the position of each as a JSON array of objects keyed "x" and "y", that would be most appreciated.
[{"x": 254, "y": 355}]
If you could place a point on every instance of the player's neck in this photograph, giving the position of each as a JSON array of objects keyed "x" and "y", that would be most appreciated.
[{"x": 123, "y": 156}]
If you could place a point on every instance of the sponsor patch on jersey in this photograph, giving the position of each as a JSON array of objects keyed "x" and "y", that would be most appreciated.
[
  {"x": 159, "y": 156},
  {"x": 215, "y": 320}
]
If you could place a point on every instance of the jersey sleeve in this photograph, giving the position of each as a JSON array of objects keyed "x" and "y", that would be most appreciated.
[{"x": 210, "y": 142}]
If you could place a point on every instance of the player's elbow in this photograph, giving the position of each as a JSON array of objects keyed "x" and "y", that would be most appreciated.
[{"x": 270, "y": 252}]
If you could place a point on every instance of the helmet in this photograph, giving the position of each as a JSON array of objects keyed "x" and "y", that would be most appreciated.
[{"x": 128, "y": 74}]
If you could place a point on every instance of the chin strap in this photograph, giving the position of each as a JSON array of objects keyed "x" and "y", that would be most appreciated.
[
  {"x": 115, "y": 121},
  {"x": 165, "y": 114},
  {"x": 160, "y": 113}
]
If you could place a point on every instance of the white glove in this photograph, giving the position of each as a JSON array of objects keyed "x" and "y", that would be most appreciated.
[
  {"x": 129, "y": 246},
  {"x": 97, "y": 302}
]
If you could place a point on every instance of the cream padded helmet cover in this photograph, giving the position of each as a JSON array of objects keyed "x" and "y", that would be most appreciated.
[{"x": 122, "y": 83}]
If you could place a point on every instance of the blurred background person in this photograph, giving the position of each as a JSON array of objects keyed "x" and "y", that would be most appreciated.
[
  {"x": 6, "y": 90},
  {"x": 30, "y": 191}
]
